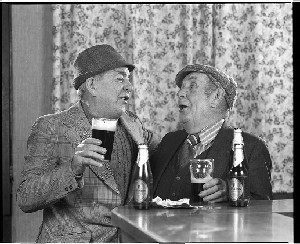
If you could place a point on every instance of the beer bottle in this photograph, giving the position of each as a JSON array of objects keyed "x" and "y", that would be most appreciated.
[
  {"x": 142, "y": 186},
  {"x": 238, "y": 181}
]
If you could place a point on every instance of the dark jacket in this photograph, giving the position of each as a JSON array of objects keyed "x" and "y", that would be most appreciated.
[{"x": 256, "y": 151}]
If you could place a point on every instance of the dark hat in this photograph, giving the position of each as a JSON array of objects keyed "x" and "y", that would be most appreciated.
[
  {"x": 95, "y": 60},
  {"x": 219, "y": 78}
]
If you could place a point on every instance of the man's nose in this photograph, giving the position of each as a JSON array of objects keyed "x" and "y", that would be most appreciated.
[
  {"x": 127, "y": 85},
  {"x": 181, "y": 93}
]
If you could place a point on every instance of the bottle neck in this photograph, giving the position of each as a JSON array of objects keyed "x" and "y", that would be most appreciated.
[
  {"x": 237, "y": 138},
  {"x": 238, "y": 155},
  {"x": 143, "y": 156}
]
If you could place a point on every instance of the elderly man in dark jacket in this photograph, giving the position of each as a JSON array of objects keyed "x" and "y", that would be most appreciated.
[
  {"x": 206, "y": 96},
  {"x": 65, "y": 173}
]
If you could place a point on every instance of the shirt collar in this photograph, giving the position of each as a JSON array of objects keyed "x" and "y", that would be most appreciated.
[{"x": 209, "y": 133}]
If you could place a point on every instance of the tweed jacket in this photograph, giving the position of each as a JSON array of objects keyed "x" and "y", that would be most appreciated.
[
  {"x": 76, "y": 210},
  {"x": 256, "y": 151}
]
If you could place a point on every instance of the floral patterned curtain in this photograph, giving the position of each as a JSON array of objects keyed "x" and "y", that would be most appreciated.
[{"x": 251, "y": 42}]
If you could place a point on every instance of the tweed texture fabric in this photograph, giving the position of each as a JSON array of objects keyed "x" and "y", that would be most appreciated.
[
  {"x": 75, "y": 210},
  {"x": 218, "y": 77},
  {"x": 95, "y": 60}
]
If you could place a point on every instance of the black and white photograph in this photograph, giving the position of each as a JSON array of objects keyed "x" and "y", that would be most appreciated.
[{"x": 147, "y": 122}]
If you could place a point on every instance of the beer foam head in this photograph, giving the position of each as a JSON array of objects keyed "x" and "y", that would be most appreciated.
[{"x": 104, "y": 124}]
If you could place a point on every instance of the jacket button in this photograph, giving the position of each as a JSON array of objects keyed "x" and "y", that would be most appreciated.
[
  {"x": 177, "y": 177},
  {"x": 173, "y": 194}
]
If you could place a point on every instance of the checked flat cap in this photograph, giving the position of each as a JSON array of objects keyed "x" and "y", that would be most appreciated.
[{"x": 218, "y": 77}]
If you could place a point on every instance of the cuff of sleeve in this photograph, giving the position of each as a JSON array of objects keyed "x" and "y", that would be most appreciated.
[{"x": 79, "y": 179}]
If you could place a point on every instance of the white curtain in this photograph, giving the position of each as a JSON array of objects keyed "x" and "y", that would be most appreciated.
[{"x": 251, "y": 42}]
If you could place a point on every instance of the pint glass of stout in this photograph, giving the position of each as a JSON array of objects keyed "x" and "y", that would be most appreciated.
[
  {"x": 104, "y": 130},
  {"x": 201, "y": 172}
]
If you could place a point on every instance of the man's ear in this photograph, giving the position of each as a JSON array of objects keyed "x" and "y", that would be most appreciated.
[
  {"x": 90, "y": 85},
  {"x": 216, "y": 97}
]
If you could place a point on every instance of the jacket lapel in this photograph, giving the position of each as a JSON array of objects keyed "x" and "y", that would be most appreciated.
[
  {"x": 173, "y": 147},
  {"x": 79, "y": 129},
  {"x": 169, "y": 151}
]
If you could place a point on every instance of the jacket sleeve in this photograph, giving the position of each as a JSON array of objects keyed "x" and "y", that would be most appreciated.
[
  {"x": 260, "y": 166},
  {"x": 46, "y": 177}
]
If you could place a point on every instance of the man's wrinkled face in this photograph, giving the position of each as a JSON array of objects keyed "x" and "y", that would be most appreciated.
[
  {"x": 113, "y": 91},
  {"x": 192, "y": 101}
]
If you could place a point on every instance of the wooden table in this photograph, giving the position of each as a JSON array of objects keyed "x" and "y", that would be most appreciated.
[{"x": 261, "y": 221}]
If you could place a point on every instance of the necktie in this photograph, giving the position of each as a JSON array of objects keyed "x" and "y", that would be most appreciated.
[
  {"x": 187, "y": 151},
  {"x": 193, "y": 139}
]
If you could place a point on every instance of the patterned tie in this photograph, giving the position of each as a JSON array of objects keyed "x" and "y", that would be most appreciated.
[
  {"x": 187, "y": 151},
  {"x": 193, "y": 139}
]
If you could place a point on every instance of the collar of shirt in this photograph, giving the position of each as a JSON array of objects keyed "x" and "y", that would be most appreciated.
[{"x": 207, "y": 135}]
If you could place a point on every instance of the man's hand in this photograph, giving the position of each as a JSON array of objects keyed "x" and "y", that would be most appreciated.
[
  {"x": 215, "y": 190},
  {"x": 88, "y": 152}
]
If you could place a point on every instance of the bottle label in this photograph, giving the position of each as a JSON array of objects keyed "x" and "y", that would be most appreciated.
[
  {"x": 140, "y": 191},
  {"x": 236, "y": 189}
]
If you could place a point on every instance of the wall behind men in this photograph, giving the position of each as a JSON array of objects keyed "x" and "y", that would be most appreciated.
[{"x": 32, "y": 77}]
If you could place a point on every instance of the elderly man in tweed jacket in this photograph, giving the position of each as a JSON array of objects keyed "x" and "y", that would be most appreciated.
[
  {"x": 64, "y": 172},
  {"x": 205, "y": 97}
]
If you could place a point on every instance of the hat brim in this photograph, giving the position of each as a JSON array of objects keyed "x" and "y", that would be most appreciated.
[
  {"x": 181, "y": 75},
  {"x": 78, "y": 81}
]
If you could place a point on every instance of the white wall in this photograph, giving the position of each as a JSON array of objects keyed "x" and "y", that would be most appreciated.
[{"x": 31, "y": 72}]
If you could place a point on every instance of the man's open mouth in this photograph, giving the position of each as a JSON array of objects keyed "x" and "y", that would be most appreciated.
[
  {"x": 182, "y": 107},
  {"x": 125, "y": 98}
]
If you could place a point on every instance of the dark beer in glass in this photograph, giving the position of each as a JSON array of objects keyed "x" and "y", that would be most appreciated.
[
  {"x": 197, "y": 187},
  {"x": 104, "y": 130},
  {"x": 201, "y": 172}
]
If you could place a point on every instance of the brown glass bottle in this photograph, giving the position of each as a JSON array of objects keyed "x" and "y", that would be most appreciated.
[
  {"x": 238, "y": 181},
  {"x": 142, "y": 187}
]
